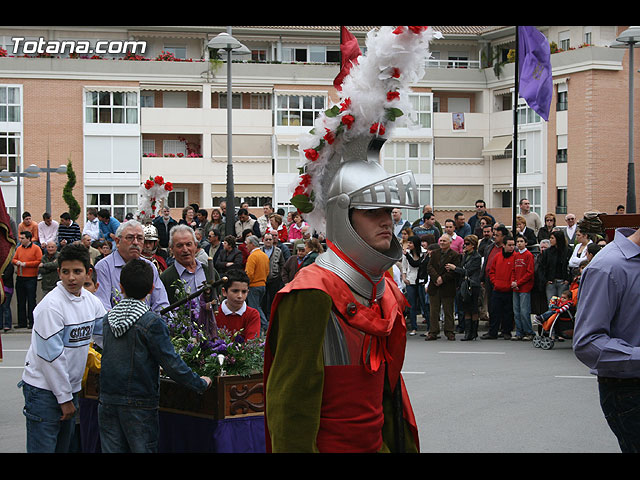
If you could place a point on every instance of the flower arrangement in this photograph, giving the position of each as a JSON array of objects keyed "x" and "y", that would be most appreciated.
[
  {"x": 221, "y": 353},
  {"x": 153, "y": 194},
  {"x": 372, "y": 96}
]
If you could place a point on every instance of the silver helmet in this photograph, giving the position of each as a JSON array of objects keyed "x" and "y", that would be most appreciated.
[{"x": 360, "y": 182}]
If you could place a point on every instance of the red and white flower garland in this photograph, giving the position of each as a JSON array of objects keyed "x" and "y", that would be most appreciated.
[{"x": 152, "y": 196}]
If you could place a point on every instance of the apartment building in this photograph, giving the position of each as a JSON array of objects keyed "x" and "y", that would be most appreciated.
[{"x": 123, "y": 117}]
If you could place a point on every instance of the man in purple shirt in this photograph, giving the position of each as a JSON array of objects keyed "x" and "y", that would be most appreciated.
[
  {"x": 607, "y": 335},
  {"x": 129, "y": 238}
]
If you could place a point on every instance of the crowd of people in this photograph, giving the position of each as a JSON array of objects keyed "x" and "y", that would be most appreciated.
[
  {"x": 269, "y": 249},
  {"x": 454, "y": 274},
  {"x": 466, "y": 271}
]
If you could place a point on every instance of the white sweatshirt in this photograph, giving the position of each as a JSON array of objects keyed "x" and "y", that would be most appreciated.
[{"x": 63, "y": 327}]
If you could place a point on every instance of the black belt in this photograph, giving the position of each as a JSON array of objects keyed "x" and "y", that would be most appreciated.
[{"x": 615, "y": 380}]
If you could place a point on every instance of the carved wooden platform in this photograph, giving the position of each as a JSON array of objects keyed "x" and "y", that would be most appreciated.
[{"x": 229, "y": 397}]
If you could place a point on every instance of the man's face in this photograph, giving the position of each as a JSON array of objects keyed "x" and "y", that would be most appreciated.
[
  {"x": 90, "y": 216},
  {"x": 243, "y": 217},
  {"x": 498, "y": 236},
  {"x": 571, "y": 220},
  {"x": 481, "y": 208},
  {"x": 65, "y": 221},
  {"x": 460, "y": 221},
  {"x": 525, "y": 205},
  {"x": 86, "y": 240},
  {"x": 27, "y": 221},
  {"x": 301, "y": 252},
  {"x": 374, "y": 226},
  {"x": 396, "y": 214},
  {"x": 268, "y": 240},
  {"x": 444, "y": 242},
  {"x": 72, "y": 274},
  {"x": 213, "y": 239},
  {"x": 487, "y": 232},
  {"x": 130, "y": 243},
  {"x": 267, "y": 210},
  {"x": 521, "y": 243},
  {"x": 51, "y": 248},
  {"x": 510, "y": 246},
  {"x": 184, "y": 248},
  {"x": 430, "y": 222},
  {"x": 48, "y": 221},
  {"x": 201, "y": 218},
  {"x": 236, "y": 295},
  {"x": 149, "y": 247},
  {"x": 166, "y": 213},
  {"x": 24, "y": 241},
  {"x": 105, "y": 248},
  {"x": 449, "y": 228}
]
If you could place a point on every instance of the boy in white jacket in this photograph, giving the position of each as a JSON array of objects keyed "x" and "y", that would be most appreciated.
[{"x": 65, "y": 321}]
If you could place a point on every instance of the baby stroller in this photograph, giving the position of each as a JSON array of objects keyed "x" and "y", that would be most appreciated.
[{"x": 557, "y": 327}]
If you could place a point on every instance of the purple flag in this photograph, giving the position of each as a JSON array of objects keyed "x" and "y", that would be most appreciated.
[{"x": 534, "y": 70}]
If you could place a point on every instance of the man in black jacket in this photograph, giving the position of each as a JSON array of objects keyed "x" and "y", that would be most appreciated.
[{"x": 164, "y": 223}]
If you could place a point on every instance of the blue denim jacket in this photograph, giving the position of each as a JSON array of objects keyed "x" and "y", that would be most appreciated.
[{"x": 130, "y": 373}]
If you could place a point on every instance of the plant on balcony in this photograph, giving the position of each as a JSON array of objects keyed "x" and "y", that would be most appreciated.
[
  {"x": 3, "y": 52},
  {"x": 151, "y": 154},
  {"x": 192, "y": 148},
  {"x": 134, "y": 56}
]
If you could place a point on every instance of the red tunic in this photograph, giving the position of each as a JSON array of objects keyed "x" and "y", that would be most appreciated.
[{"x": 347, "y": 425}]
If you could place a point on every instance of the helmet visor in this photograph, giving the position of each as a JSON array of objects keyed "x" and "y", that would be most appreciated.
[{"x": 397, "y": 191}]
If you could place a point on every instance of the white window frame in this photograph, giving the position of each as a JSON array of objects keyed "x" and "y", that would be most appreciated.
[
  {"x": 103, "y": 102},
  {"x": 305, "y": 114},
  {"x": 11, "y": 102}
]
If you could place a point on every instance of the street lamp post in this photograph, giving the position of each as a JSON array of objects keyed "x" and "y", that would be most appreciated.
[
  {"x": 62, "y": 169},
  {"x": 30, "y": 172},
  {"x": 629, "y": 39},
  {"x": 224, "y": 41}
]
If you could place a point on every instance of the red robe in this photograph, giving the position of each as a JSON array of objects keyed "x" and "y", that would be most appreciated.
[{"x": 346, "y": 425}]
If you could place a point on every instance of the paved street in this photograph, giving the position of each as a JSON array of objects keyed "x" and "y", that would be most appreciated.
[
  {"x": 482, "y": 396},
  {"x": 503, "y": 396}
]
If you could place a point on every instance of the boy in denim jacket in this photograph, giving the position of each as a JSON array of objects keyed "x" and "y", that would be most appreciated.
[{"x": 136, "y": 344}]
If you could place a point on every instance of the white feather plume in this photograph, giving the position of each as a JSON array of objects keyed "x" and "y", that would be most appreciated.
[{"x": 377, "y": 85}]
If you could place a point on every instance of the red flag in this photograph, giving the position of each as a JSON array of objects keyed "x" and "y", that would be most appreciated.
[
  {"x": 350, "y": 51},
  {"x": 7, "y": 242}
]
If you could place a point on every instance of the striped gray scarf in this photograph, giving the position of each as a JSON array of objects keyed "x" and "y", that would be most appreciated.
[{"x": 124, "y": 314}]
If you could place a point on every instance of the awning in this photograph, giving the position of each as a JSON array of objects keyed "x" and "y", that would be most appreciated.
[
  {"x": 498, "y": 145},
  {"x": 241, "y": 89},
  {"x": 500, "y": 188},
  {"x": 171, "y": 87}
]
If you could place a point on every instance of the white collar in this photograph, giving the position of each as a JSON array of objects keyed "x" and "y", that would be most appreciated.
[{"x": 228, "y": 311}]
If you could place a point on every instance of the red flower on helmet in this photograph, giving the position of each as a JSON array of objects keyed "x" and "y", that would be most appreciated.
[
  {"x": 348, "y": 120},
  {"x": 159, "y": 180},
  {"x": 377, "y": 128},
  {"x": 393, "y": 96},
  {"x": 311, "y": 154}
]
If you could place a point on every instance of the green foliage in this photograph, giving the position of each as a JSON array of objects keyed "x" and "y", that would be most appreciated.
[{"x": 67, "y": 192}]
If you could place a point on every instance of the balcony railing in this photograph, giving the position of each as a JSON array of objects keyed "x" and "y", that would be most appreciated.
[{"x": 474, "y": 64}]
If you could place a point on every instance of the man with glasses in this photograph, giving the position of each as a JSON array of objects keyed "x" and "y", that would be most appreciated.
[
  {"x": 570, "y": 230},
  {"x": 481, "y": 211},
  {"x": 129, "y": 240}
]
